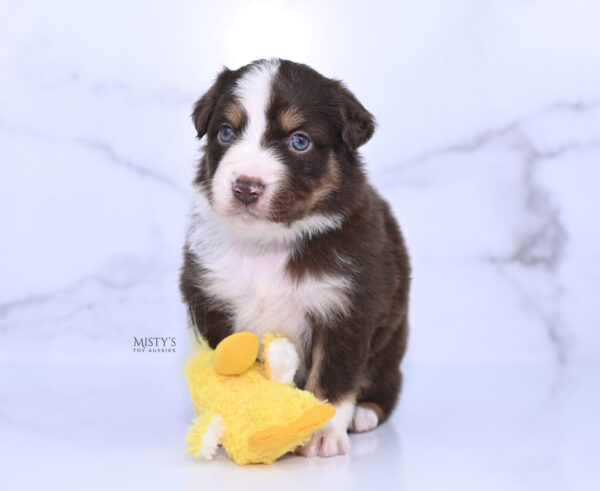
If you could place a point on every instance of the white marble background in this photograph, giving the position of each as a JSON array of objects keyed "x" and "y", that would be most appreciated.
[{"x": 488, "y": 148}]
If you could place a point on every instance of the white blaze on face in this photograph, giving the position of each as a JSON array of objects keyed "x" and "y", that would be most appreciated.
[{"x": 247, "y": 156}]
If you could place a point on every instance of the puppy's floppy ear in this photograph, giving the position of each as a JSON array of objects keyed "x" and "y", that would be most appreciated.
[
  {"x": 358, "y": 123},
  {"x": 205, "y": 106}
]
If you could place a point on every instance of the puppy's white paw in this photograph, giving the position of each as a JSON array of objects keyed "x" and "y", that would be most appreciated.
[
  {"x": 283, "y": 360},
  {"x": 365, "y": 419},
  {"x": 336, "y": 443},
  {"x": 326, "y": 443}
]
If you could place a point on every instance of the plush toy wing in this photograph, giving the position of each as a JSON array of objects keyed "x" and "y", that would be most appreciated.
[
  {"x": 280, "y": 359},
  {"x": 204, "y": 435},
  {"x": 287, "y": 437}
]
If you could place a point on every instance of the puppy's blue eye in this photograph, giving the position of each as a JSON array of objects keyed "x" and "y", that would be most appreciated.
[
  {"x": 226, "y": 134},
  {"x": 299, "y": 142}
]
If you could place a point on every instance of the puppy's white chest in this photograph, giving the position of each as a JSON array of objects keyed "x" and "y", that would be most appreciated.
[
  {"x": 252, "y": 278},
  {"x": 262, "y": 293},
  {"x": 265, "y": 298}
]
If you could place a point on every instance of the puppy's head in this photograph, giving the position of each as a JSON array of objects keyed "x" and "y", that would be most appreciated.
[{"x": 281, "y": 145}]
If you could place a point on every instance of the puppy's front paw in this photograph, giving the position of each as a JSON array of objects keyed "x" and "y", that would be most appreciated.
[
  {"x": 326, "y": 443},
  {"x": 336, "y": 443},
  {"x": 283, "y": 360}
]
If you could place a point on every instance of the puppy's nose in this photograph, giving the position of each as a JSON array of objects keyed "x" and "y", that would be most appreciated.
[{"x": 247, "y": 189}]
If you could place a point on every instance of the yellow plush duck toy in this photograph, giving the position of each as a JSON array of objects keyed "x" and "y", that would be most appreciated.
[{"x": 249, "y": 406}]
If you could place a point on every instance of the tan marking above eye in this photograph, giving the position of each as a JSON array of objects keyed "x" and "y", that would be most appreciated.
[
  {"x": 235, "y": 114},
  {"x": 290, "y": 119}
]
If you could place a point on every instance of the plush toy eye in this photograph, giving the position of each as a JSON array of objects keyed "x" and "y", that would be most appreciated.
[
  {"x": 226, "y": 133},
  {"x": 299, "y": 142}
]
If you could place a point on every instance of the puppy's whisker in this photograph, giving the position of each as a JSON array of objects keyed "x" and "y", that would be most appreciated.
[{"x": 205, "y": 182}]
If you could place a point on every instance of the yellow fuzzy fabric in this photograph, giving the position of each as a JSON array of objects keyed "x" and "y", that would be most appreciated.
[{"x": 262, "y": 419}]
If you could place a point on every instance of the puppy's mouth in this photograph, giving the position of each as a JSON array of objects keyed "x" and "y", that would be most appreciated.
[{"x": 246, "y": 212}]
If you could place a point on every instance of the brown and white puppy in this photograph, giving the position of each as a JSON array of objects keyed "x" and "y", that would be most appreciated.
[{"x": 288, "y": 236}]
